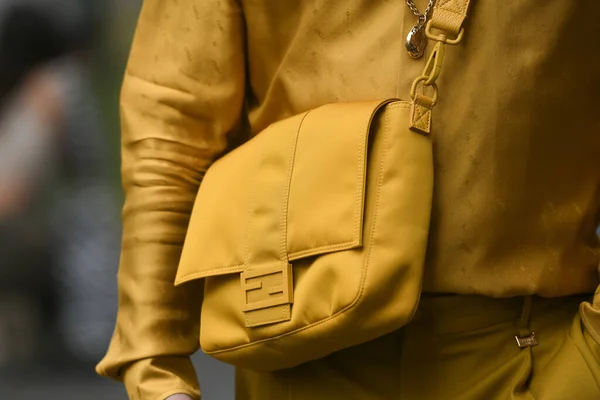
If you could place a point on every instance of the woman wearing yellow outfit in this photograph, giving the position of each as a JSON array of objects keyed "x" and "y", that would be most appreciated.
[{"x": 512, "y": 251}]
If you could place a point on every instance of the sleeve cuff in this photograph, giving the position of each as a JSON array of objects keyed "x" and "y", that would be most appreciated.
[
  {"x": 590, "y": 317},
  {"x": 163, "y": 396},
  {"x": 160, "y": 377}
]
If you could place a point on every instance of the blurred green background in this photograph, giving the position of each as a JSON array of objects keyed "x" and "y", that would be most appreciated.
[{"x": 61, "y": 68}]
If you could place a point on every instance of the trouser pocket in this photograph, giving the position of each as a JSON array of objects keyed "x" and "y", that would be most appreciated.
[
  {"x": 568, "y": 367},
  {"x": 589, "y": 323}
]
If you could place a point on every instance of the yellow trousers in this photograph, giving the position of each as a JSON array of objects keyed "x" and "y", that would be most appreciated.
[{"x": 458, "y": 347}]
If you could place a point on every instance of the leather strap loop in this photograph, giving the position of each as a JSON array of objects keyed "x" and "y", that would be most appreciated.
[{"x": 449, "y": 15}]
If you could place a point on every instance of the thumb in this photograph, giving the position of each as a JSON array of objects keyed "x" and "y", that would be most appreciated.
[{"x": 179, "y": 396}]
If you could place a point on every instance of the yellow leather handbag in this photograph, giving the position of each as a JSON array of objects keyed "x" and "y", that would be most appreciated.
[{"x": 312, "y": 236}]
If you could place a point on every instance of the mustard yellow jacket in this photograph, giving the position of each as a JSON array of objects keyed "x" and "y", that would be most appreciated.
[{"x": 516, "y": 145}]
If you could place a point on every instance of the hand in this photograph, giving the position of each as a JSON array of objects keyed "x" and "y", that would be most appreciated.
[
  {"x": 13, "y": 198},
  {"x": 43, "y": 93},
  {"x": 179, "y": 396}
]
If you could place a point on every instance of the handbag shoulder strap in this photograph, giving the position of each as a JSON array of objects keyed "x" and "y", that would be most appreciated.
[
  {"x": 449, "y": 15},
  {"x": 445, "y": 27}
]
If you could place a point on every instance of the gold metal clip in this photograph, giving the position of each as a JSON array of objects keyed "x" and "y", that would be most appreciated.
[
  {"x": 442, "y": 36},
  {"x": 527, "y": 341},
  {"x": 434, "y": 64}
]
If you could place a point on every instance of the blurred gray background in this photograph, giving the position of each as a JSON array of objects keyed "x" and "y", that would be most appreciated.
[{"x": 61, "y": 65}]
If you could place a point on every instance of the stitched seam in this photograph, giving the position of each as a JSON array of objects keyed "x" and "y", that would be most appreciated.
[
  {"x": 452, "y": 6},
  {"x": 248, "y": 221},
  {"x": 423, "y": 120},
  {"x": 286, "y": 312},
  {"x": 450, "y": 13},
  {"x": 342, "y": 311},
  {"x": 385, "y": 134},
  {"x": 584, "y": 359},
  {"x": 328, "y": 247},
  {"x": 261, "y": 323},
  {"x": 454, "y": 13},
  {"x": 286, "y": 195},
  {"x": 591, "y": 330},
  {"x": 286, "y": 316},
  {"x": 211, "y": 272},
  {"x": 419, "y": 113},
  {"x": 399, "y": 104},
  {"x": 360, "y": 177}
]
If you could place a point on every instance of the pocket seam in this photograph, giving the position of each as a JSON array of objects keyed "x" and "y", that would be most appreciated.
[
  {"x": 588, "y": 325},
  {"x": 581, "y": 354}
]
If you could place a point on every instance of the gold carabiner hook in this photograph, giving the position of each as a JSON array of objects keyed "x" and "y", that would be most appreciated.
[{"x": 434, "y": 64}]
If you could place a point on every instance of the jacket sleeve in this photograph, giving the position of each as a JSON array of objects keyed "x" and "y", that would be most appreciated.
[
  {"x": 181, "y": 100},
  {"x": 590, "y": 311}
]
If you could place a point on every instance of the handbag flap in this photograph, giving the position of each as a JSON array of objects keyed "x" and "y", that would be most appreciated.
[{"x": 295, "y": 190}]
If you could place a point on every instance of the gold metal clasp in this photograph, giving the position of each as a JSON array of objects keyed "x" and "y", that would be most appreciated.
[
  {"x": 430, "y": 74},
  {"x": 422, "y": 105},
  {"x": 413, "y": 90},
  {"x": 267, "y": 287},
  {"x": 527, "y": 341},
  {"x": 434, "y": 64}
]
